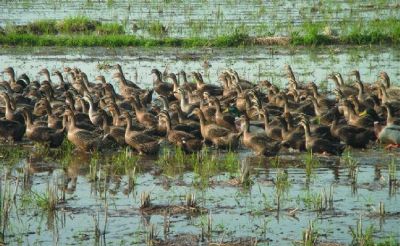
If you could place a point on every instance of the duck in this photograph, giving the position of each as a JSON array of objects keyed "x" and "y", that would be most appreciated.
[
  {"x": 42, "y": 134},
  {"x": 10, "y": 112},
  {"x": 354, "y": 119},
  {"x": 186, "y": 85},
  {"x": 127, "y": 82},
  {"x": 185, "y": 106},
  {"x": 272, "y": 129},
  {"x": 356, "y": 137},
  {"x": 11, "y": 130},
  {"x": 221, "y": 137},
  {"x": 115, "y": 132},
  {"x": 95, "y": 116},
  {"x": 143, "y": 117},
  {"x": 84, "y": 140},
  {"x": 319, "y": 145},
  {"x": 160, "y": 87},
  {"x": 17, "y": 86},
  {"x": 188, "y": 142},
  {"x": 388, "y": 134},
  {"x": 292, "y": 138},
  {"x": 143, "y": 143},
  {"x": 221, "y": 119},
  {"x": 345, "y": 89},
  {"x": 390, "y": 117},
  {"x": 202, "y": 87},
  {"x": 392, "y": 91},
  {"x": 259, "y": 143}
]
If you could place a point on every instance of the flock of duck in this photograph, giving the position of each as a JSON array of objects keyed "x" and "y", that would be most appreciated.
[{"x": 235, "y": 114}]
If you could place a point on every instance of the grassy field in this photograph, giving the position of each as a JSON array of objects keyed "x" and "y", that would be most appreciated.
[{"x": 84, "y": 32}]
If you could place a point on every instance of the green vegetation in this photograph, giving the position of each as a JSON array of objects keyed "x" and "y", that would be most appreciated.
[{"x": 81, "y": 31}]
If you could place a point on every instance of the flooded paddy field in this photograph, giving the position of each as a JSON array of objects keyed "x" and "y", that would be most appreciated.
[
  {"x": 211, "y": 198},
  {"x": 201, "y": 18}
]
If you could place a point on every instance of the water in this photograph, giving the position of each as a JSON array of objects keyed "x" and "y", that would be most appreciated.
[
  {"x": 252, "y": 63},
  {"x": 201, "y": 18},
  {"x": 238, "y": 213}
]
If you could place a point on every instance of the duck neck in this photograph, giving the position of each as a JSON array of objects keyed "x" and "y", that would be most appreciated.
[
  {"x": 217, "y": 107},
  {"x": 128, "y": 124},
  {"x": 307, "y": 133},
  {"x": 340, "y": 79},
  {"x": 316, "y": 107},
  {"x": 384, "y": 94},
  {"x": 168, "y": 123},
  {"x": 266, "y": 120},
  {"x": 28, "y": 119},
  {"x": 9, "y": 109},
  {"x": 180, "y": 114},
  {"x": 202, "y": 119},
  {"x": 389, "y": 117},
  {"x": 315, "y": 91},
  {"x": 106, "y": 127}
]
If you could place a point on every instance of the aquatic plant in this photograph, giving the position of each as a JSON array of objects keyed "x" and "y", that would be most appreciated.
[
  {"x": 310, "y": 235},
  {"x": 145, "y": 201},
  {"x": 282, "y": 185},
  {"x": 11, "y": 154},
  {"x": 361, "y": 237},
  {"x": 124, "y": 160},
  {"x": 311, "y": 162},
  {"x": 150, "y": 234},
  {"x": 191, "y": 200}
]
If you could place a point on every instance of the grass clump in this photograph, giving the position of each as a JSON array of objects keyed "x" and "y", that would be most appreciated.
[
  {"x": 78, "y": 24},
  {"x": 109, "y": 29}
]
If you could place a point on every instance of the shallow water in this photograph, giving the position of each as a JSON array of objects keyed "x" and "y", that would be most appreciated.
[
  {"x": 201, "y": 18},
  {"x": 252, "y": 63},
  {"x": 237, "y": 212}
]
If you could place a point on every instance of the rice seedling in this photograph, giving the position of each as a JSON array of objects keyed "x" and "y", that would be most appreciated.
[
  {"x": 244, "y": 173},
  {"x": 381, "y": 209},
  {"x": 167, "y": 224},
  {"x": 230, "y": 162},
  {"x": 151, "y": 235},
  {"x": 47, "y": 201},
  {"x": 124, "y": 161},
  {"x": 282, "y": 185},
  {"x": 157, "y": 29},
  {"x": 191, "y": 200},
  {"x": 145, "y": 201},
  {"x": 361, "y": 237},
  {"x": 311, "y": 162},
  {"x": 6, "y": 200},
  {"x": 9, "y": 155},
  {"x": 310, "y": 235},
  {"x": 352, "y": 165},
  {"x": 392, "y": 170}
]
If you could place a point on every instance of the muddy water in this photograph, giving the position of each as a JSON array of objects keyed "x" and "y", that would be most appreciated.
[
  {"x": 204, "y": 18},
  {"x": 237, "y": 213}
]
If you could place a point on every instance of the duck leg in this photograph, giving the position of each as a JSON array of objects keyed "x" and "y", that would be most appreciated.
[{"x": 392, "y": 146}]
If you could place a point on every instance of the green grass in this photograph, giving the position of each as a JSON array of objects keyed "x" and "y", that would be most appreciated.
[{"x": 83, "y": 32}]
